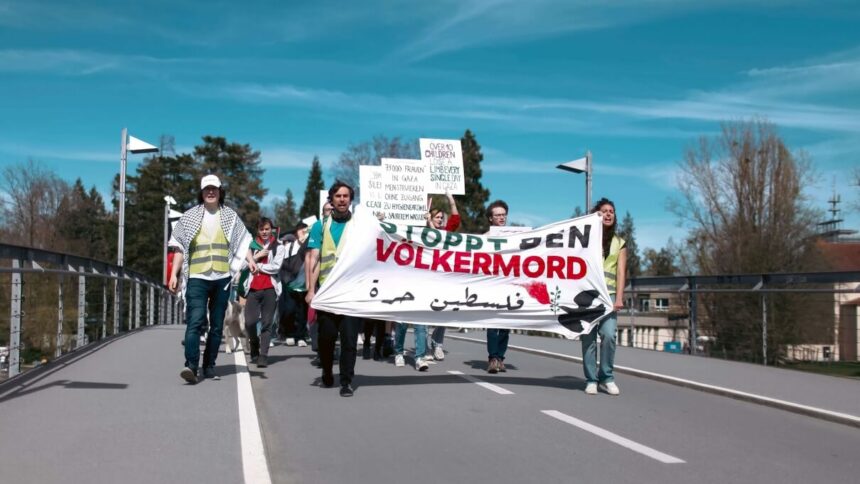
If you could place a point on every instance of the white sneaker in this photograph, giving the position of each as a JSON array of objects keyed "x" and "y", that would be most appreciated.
[
  {"x": 302, "y": 343},
  {"x": 421, "y": 365},
  {"x": 591, "y": 389},
  {"x": 610, "y": 388},
  {"x": 360, "y": 340},
  {"x": 290, "y": 342},
  {"x": 438, "y": 353},
  {"x": 399, "y": 360}
]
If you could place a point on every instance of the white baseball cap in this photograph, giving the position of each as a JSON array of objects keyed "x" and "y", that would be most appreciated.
[{"x": 210, "y": 181}]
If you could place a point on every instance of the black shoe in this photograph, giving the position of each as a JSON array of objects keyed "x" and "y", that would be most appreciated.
[
  {"x": 346, "y": 390},
  {"x": 328, "y": 380},
  {"x": 377, "y": 356},
  {"x": 316, "y": 361},
  {"x": 365, "y": 352},
  {"x": 189, "y": 375},
  {"x": 210, "y": 373},
  {"x": 262, "y": 361}
]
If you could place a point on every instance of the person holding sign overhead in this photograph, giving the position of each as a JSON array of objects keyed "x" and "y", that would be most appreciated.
[
  {"x": 439, "y": 220},
  {"x": 327, "y": 239}
]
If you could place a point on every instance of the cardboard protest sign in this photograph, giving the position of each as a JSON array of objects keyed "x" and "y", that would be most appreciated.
[
  {"x": 405, "y": 191},
  {"x": 444, "y": 159},
  {"x": 548, "y": 279},
  {"x": 372, "y": 182}
]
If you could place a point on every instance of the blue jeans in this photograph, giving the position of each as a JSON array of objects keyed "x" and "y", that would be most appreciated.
[
  {"x": 201, "y": 295},
  {"x": 497, "y": 343},
  {"x": 438, "y": 336},
  {"x": 420, "y": 339},
  {"x": 606, "y": 330}
]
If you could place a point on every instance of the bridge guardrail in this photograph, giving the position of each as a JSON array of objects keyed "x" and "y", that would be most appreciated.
[{"x": 58, "y": 303}]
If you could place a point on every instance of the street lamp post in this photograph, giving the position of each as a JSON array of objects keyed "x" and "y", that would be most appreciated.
[
  {"x": 128, "y": 144},
  {"x": 582, "y": 165}
]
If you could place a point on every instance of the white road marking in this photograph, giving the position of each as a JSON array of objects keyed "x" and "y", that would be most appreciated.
[
  {"x": 254, "y": 466},
  {"x": 817, "y": 412},
  {"x": 488, "y": 386},
  {"x": 612, "y": 437}
]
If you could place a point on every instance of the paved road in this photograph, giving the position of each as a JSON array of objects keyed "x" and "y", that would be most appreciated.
[
  {"x": 405, "y": 426},
  {"x": 118, "y": 412}
]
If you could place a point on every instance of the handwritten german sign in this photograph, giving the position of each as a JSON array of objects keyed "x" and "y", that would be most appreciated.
[
  {"x": 548, "y": 279},
  {"x": 372, "y": 182},
  {"x": 444, "y": 159},
  {"x": 405, "y": 191}
]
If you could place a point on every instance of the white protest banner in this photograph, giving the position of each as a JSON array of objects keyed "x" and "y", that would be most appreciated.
[
  {"x": 496, "y": 230},
  {"x": 444, "y": 158},
  {"x": 405, "y": 189},
  {"x": 371, "y": 179},
  {"x": 547, "y": 279}
]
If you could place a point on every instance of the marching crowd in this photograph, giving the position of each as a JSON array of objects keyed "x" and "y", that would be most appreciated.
[{"x": 217, "y": 261}]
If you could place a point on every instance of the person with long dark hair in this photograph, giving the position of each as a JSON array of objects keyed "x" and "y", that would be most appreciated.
[{"x": 614, "y": 269}]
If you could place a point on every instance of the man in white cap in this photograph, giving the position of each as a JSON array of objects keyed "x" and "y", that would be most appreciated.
[{"x": 213, "y": 246}]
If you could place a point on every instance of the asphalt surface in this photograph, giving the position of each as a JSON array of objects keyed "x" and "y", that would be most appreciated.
[
  {"x": 118, "y": 412},
  {"x": 406, "y": 426}
]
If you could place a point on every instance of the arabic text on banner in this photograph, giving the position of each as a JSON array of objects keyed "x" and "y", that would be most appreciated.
[{"x": 547, "y": 279}]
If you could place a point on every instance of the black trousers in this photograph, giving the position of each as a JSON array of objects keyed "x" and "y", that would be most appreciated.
[
  {"x": 374, "y": 327},
  {"x": 260, "y": 307},
  {"x": 330, "y": 325}
]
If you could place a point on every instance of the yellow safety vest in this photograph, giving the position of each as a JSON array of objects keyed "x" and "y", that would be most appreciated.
[
  {"x": 610, "y": 263},
  {"x": 329, "y": 252},
  {"x": 210, "y": 252}
]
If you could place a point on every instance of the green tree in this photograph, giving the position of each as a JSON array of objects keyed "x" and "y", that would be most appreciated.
[
  {"x": 659, "y": 263},
  {"x": 472, "y": 205},
  {"x": 158, "y": 176},
  {"x": 238, "y": 167},
  {"x": 627, "y": 231},
  {"x": 311, "y": 202},
  {"x": 84, "y": 225},
  {"x": 285, "y": 213},
  {"x": 577, "y": 212}
]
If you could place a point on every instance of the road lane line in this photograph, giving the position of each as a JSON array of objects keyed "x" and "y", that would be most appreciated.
[
  {"x": 615, "y": 438},
  {"x": 799, "y": 408},
  {"x": 488, "y": 386},
  {"x": 254, "y": 466}
]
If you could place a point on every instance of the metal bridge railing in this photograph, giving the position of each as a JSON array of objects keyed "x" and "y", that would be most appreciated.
[
  {"x": 58, "y": 303},
  {"x": 697, "y": 309}
]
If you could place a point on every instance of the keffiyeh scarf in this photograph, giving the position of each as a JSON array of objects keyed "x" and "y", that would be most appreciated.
[{"x": 234, "y": 230}]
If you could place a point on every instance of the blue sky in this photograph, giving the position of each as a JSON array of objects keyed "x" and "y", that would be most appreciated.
[{"x": 538, "y": 82}]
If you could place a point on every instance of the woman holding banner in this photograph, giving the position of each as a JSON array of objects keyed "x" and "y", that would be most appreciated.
[
  {"x": 438, "y": 219},
  {"x": 614, "y": 269}
]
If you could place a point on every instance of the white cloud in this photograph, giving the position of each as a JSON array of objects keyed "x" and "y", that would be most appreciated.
[
  {"x": 463, "y": 25},
  {"x": 41, "y": 152}
]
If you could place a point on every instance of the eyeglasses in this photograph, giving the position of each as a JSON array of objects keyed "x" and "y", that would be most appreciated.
[{"x": 499, "y": 215}]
